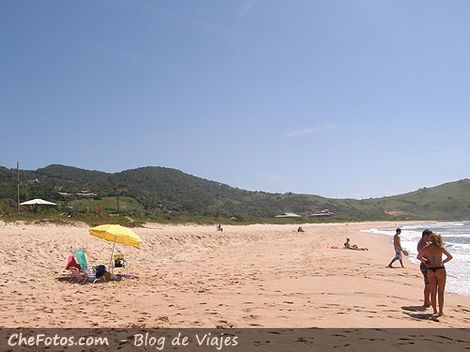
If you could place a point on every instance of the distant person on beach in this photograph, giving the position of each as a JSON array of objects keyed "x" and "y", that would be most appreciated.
[
  {"x": 423, "y": 242},
  {"x": 398, "y": 249},
  {"x": 300, "y": 229},
  {"x": 354, "y": 247},
  {"x": 219, "y": 228},
  {"x": 431, "y": 256}
]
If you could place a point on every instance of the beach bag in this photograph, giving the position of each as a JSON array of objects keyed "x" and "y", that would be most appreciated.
[{"x": 100, "y": 270}]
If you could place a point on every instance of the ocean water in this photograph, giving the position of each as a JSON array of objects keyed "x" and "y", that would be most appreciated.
[{"x": 456, "y": 236}]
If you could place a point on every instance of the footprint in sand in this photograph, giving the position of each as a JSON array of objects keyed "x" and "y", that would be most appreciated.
[{"x": 250, "y": 317}]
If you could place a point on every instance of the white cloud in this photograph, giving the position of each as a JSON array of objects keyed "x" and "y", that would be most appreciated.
[
  {"x": 246, "y": 9},
  {"x": 301, "y": 132}
]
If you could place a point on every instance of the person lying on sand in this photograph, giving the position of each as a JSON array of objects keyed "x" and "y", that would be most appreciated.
[{"x": 353, "y": 247}]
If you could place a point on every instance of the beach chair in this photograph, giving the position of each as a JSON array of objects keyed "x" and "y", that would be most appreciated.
[
  {"x": 76, "y": 275},
  {"x": 74, "y": 269},
  {"x": 120, "y": 262},
  {"x": 72, "y": 263},
  {"x": 80, "y": 257},
  {"x": 88, "y": 274}
]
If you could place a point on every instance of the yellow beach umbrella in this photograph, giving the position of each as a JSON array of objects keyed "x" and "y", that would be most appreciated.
[{"x": 116, "y": 234}]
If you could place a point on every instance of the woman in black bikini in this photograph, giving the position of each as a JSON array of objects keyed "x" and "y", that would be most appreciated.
[{"x": 431, "y": 256}]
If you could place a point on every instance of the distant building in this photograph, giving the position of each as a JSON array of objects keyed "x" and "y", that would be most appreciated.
[
  {"x": 81, "y": 194},
  {"x": 84, "y": 194},
  {"x": 323, "y": 212},
  {"x": 288, "y": 215},
  {"x": 64, "y": 194}
]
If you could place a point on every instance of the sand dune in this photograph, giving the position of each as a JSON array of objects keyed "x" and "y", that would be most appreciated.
[{"x": 192, "y": 276}]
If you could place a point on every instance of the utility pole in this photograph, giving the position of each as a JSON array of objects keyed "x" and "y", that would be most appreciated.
[{"x": 18, "y": 187}]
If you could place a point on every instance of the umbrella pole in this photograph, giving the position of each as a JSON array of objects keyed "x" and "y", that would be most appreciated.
[{"x": 111, "y": 261}]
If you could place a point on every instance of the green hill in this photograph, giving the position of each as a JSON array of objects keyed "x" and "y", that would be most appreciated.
[
  {"x": 158, "y": 191},
  {"x": 449, "y": 201}
]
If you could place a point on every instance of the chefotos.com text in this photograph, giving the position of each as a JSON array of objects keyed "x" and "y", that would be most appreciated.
[{"x": 18, "y": 339}]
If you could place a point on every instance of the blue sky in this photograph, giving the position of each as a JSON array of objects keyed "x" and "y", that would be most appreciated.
[{"x": 337, "y": 98}]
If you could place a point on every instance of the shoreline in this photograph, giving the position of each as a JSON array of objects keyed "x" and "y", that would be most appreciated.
[
  {"x": 191, "y": 276},
  {"x": 411, "y": 259}
]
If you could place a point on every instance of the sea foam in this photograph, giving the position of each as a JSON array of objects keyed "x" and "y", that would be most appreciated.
[{"x": 456, "y": 236}]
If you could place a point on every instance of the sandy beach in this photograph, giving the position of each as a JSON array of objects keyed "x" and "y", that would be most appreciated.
[{"x": 193, "y": 276}]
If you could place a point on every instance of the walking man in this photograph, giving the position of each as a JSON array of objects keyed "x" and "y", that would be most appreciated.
[{"x": 398, "y": 249}]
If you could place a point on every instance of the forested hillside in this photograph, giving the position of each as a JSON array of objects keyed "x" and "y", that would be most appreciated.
[{"x": 157, "y": 190}]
